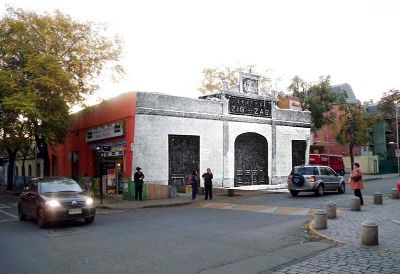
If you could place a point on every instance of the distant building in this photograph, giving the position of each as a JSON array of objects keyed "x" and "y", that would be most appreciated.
[
  {"x": 324, "y": 139},
  {"x": 383, "y": 142}
]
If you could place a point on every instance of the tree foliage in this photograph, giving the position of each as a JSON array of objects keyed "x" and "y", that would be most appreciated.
[
  {"x": 387, "y": 104},
  {"x": 317, "y": 98},
  {"x": 47, "y": 65},
  {"x": 213, "y": 78},
  {"x": 353, "y": 127}
]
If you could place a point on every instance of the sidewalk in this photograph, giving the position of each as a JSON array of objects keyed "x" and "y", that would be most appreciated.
[
  {"x": 351, "y": 256},
  {"x": 117, "y": 203}
]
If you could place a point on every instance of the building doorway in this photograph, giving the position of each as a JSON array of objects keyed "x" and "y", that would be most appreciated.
[
  {"x": 184, "y": 157},
  {"x": 251, "y": 159},
  {"x": 298, "y": 152}
]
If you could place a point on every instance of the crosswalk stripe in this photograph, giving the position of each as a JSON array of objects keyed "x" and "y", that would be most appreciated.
[
  {"x": 259, "y": 208},
  {"x": 9, "y": 214},
  {"x": 4, "y": 206}
]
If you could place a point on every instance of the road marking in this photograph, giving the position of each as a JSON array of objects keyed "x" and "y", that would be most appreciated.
[
  {"x": 4, "y": 206},
  {"x": 9, "y": 214},
  {"x": 14, "y": 204},
  {"x": 8, "y": 221},
  {"x": 258, "y": 208}
]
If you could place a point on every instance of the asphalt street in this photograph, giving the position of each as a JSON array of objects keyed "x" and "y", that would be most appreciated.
[
  {"x": 162, "y": 240},
  {"x": 190, "y": 239}
]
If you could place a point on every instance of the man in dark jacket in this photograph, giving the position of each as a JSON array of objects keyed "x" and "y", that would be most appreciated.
[
  {"x": 138, "y": 179},
  {"x": 207, "y": 184}
]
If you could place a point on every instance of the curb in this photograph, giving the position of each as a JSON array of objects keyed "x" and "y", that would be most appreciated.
[
  {"x": 145, "y": 206},
  {"x": 314, "y": 232}
]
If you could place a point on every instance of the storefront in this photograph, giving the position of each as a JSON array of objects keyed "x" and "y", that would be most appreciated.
[
  {"x": 239, "y": 133},
  {"x": 99, "y": 144}
]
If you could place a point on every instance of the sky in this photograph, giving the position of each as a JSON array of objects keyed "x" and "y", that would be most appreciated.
[{"x": 167, "y": 44}]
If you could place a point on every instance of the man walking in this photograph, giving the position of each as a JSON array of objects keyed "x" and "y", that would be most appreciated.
[{"x": 138, "y": 179}]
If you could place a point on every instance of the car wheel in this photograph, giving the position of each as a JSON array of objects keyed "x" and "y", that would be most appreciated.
[
  {"x": 41, "y": 218},
  {"x": 89, "y": 220},
  {"x": 342, "y": 188},
  {"x": 294, "y": 193},
  {"x": 319, "y": 191},
  {"x": 21, "y": 215}
]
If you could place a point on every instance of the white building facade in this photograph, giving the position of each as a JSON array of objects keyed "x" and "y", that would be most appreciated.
[{"x": 239, "y": 134}]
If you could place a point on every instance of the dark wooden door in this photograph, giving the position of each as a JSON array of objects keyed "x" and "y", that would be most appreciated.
[
  {"x": 251, "y": 159},
  {"x": 184, "y": 157},
  {"x": 298, "y": 152}
]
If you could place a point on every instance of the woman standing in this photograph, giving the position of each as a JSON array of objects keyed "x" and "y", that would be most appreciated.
[
  {"x": 357, "y": 182},
  {"x": 207, "y": 184}
]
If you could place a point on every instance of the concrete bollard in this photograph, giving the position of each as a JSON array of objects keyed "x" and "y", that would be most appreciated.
[
  {"x": 231, "y": 192},
  {"x": 369, "y": 233},
  {"x": 395, "y": 193},
  {"x": 331, "y": 210},
  {"x": 355, "y": 204},
  {"x": 378, "y": 198},
  {"x": 320, "y": 220}
]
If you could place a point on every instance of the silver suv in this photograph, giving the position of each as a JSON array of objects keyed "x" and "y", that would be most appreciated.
[{"x": 315, "y": 179}]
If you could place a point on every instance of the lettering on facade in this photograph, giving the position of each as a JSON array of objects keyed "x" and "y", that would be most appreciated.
[
  {"x": 250, "y": 107},
  {"x": 105, "y": 132}
]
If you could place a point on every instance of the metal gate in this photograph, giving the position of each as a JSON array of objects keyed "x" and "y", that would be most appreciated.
[
  {"x": 184, "y": 157},
  {"x": 251, "y": 159}
]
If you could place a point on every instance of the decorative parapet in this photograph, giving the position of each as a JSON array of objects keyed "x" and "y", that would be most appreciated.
[{"x": 293, "y": 117}]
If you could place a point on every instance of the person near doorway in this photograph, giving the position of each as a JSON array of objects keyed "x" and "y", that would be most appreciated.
[
  {"x": 194, "y": 182},
  {"x": 138, "y": 179},
  {"x": 207, "y": 184},
  {"x": 356, "y": 182}
]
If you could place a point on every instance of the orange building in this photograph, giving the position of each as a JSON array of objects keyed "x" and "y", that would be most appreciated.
[{"x": 101, "y": 133}]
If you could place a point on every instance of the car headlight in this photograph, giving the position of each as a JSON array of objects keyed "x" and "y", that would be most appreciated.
[
  {"x": 89, "y": 201},
  {"x": 53, "y": 203}
]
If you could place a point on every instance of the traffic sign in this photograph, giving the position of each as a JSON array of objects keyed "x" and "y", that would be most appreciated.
[{"x": 397, "y": 152}]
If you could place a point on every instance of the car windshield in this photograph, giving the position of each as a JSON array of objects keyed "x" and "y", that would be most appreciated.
[
  {"x": 59, "y": 185},
  {"x": 304, "y": 170}
]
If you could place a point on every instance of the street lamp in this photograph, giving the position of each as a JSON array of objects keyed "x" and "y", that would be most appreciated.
[
  {"x": 397, "y": 136},
  {"x": 397, "y": 139}
]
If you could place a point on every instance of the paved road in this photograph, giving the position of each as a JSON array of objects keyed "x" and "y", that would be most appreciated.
[
  {"x": 257, "y": 233},
  {"x": 161, "y": 240}
]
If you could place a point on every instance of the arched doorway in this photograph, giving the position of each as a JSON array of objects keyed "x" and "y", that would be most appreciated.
[{"x": 251, "y": 159}]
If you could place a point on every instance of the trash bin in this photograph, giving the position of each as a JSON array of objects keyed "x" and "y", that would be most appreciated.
[{"x": 131, "y": 190}]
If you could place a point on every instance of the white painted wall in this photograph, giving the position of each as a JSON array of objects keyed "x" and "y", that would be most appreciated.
[
  {"x": 150, "y": 148},
  {"x": 284, "y": 137}
]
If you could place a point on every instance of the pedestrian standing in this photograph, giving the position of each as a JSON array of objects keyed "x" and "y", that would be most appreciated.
[
  {"x": 207, "y": 184},
  {"x": 194, "y": 181},
  {"x": 356, "y": 182},
  {"x": 138, "y": 179}
]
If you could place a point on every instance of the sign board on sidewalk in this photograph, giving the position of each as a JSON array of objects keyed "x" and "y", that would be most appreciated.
[{"x": 397, "y": 152}]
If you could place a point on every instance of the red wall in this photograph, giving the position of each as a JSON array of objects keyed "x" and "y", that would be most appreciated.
[
  {"x": 327, "y": 137},
  {"x": 120, "y": 108}
]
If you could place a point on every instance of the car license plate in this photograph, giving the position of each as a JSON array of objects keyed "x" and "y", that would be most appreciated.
[{"x": 75, "y": 211}]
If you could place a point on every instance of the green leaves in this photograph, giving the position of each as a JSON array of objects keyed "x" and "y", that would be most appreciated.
[
  {"x": 317, "y": 98},
  {"x": 47, "y": 64}
]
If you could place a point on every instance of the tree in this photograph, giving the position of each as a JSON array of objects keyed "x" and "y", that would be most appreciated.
[
  {"x": 317, "y": 98},
  {"x": 49, "y": 62},
  {"x": 388, "y": 103},
  {"x": 353, "y": 127},
  {"x": 213, "y": 78}
]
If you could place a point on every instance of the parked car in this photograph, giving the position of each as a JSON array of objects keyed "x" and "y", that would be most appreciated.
[
  {"x": 333, "y": 161},
  {"x": 317, "y": 179},
  {"x": 55, "y": 199}
]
